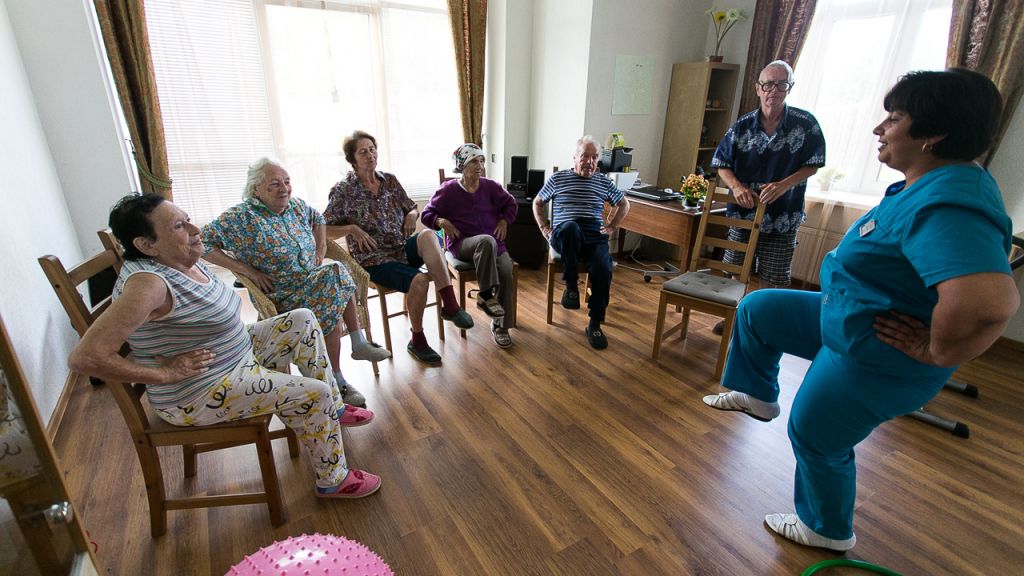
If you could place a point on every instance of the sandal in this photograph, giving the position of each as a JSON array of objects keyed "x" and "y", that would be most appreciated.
[
  {"x": 501, "y": 336},
  {"x": 491, "y": 307}
]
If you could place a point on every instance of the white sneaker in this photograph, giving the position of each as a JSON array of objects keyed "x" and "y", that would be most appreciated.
[
  {"x": 790, "y": 527},
  {"x": 740, "y": 402},
  {"x": 370, "y": 351}
]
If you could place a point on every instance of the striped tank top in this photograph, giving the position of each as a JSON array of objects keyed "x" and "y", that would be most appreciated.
[{"x": 201, "y": 316}]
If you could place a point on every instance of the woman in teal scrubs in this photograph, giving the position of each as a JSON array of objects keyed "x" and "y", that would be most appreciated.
[{"x": 918, "y": 285}]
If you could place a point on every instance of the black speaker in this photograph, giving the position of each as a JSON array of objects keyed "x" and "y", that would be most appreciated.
[
  {"x": 526, "y": 245},
  {"x": 534, "y": 182},
  {"x": 519, "y": 169}
]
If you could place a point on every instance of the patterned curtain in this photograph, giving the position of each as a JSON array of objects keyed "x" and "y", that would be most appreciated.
[
  {"x": 777, "y": 32},
  {"x": 123, "y": 25},
  {"x": 988, "y": 36},
  {"x": 469, "y": 31}
]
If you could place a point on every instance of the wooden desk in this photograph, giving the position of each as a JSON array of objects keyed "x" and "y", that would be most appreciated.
[{"x": 666, "y": 221}]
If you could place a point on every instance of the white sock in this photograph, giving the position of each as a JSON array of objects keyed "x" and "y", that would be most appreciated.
[
  {"x": 767, "y": 409},
  {"x": 358, "y": 340}
]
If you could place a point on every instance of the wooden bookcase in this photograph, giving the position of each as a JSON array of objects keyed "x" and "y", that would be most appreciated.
[{"x": 696, "y": 89}]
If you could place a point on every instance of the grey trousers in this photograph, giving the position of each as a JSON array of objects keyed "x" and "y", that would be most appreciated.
[{"x": 491, "y": 271}]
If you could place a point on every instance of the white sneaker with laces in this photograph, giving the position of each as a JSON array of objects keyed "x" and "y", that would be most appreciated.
[
  {"x": 790, "y": 527},
  {"x": 370, "y": 351}
]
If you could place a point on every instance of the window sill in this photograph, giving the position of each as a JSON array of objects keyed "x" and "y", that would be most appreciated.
[{"x": 843, "y": 198}]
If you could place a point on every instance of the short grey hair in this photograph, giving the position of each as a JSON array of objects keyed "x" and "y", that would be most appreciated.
[
  {"x": 257, "y": 174},
  {"x": 780, "y": 64},
  {"x": 588, "y": 139}
]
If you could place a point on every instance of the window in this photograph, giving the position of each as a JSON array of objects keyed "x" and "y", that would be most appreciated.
[
  {"x": 289, "y": 79},
  {"x": 855, "y": 51}
]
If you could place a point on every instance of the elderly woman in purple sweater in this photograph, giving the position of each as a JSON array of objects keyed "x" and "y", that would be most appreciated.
[{"x": 475, "y": 213}]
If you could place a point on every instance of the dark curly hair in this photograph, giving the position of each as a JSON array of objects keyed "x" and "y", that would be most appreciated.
[
  {"x": 962, "y": 105},
  {"x": 129, "y": 219}
]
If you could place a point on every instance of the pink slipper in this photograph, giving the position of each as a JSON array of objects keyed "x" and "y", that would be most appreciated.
[
  {"x": 352, "y": 416},
  {"x": 357, "y": 483}
]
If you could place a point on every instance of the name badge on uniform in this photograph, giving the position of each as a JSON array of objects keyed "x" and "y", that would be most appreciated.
[{"x": 866, "y": 228}]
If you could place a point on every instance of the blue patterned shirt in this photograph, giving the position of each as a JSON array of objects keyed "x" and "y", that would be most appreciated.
[{"x": 757, "y": 158}]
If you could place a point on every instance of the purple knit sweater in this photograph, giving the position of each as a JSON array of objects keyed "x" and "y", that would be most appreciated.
[{"x": 473, "y": 214}]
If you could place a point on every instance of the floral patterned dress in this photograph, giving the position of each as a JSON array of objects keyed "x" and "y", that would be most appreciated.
[{"x": 283, "y": 246}]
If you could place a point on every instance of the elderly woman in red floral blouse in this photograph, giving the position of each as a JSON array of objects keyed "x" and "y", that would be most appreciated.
[{"x": 372, "y": 210}]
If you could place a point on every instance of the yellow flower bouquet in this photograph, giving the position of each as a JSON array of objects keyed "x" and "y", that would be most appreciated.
[
  {"x": 694, "y": 189},
  {"x": 723, "y": 21}
]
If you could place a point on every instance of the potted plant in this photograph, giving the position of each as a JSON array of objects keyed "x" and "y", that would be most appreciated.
[
  {"x": 694, "y": 189},
  {"x": 723, "y": 21},
  {"x": 828, "y": 176}
]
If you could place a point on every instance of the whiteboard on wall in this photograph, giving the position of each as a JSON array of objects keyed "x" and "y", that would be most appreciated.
[{"x": 632, "y": 91}]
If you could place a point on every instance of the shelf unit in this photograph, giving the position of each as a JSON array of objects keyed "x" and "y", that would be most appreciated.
[{"x": 696, "y": 86}]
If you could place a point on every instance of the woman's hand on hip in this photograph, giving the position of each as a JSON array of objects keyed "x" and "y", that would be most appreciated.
[
  {"x": 186, "y": 365},
  {"x": 906, "y": 334},
  {"x": 449, "y": 229},
  {"x": 501, "y": 230}
]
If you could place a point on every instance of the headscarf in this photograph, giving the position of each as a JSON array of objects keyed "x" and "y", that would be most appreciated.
[{"x": 464, "y": 154}]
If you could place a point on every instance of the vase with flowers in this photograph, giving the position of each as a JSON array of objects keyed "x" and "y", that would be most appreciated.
[
  {"x": 694, "y": 189},
  {"x": 723, "y": 21}
]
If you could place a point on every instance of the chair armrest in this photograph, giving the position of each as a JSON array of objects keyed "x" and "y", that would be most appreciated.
[
  {"x": 339, "y": 253},
  {"x": 264, "y": 307}
]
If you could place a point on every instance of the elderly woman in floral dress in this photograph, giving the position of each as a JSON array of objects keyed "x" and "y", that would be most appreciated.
[{"x": 279, "y": 242}]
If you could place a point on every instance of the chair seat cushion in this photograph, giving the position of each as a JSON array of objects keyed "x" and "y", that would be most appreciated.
[
  {"x": 456, "y": 263},
  {"x": 707, "y": 287}
]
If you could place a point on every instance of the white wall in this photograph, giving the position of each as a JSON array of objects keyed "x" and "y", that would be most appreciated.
[
  {"x": 508, "y": 84},
  {"x": 665, "y": 30},
  {"x": 561, "y": 49},
  {"x": 1007, "y": 167},
  {"x": 60, "y": 51},
  {"x": 36, "y": 222}
]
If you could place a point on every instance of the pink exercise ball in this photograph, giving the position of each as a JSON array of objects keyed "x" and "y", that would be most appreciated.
[{"x": 312, "y": 554}]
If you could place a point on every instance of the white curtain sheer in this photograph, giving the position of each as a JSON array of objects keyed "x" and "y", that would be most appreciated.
[
  {"x": 855, "y": 51},
  {"x": 240, "y": 79}
]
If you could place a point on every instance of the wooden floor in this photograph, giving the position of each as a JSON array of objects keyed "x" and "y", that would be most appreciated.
[{"x": 551, "y": 458}]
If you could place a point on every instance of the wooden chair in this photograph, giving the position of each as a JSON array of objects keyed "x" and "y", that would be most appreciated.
[
  {"x": 265, "y": 307},
  {"x": 381, "y": 293},
  {"x": 718, "y": 294},
  {"x": 464, "y": 272},
  {"x": 555, "y": 267},
  {"x": 149, "y": 431}
]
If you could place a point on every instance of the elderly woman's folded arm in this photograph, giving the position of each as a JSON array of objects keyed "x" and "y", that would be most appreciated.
[{"x": 145, "y": 295}]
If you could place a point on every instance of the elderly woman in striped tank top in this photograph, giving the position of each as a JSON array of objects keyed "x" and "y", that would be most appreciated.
[{"x": 199, "y": 362}]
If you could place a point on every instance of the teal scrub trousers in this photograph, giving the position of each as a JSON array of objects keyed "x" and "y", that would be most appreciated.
[{"x": 839, "y": 402}]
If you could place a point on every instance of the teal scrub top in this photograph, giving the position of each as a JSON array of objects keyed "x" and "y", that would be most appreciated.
[{"x": 949, "y": 223}]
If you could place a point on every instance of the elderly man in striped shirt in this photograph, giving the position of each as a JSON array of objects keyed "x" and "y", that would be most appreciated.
[{"x": 579, "y": 232}]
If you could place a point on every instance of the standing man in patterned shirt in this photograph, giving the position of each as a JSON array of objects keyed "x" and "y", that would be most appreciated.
[
  {"x": 767, "y": 156},
  {"x": 579, "y": 232}
]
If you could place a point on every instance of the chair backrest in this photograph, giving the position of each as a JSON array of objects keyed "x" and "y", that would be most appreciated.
[
  {"x": 717, "y": 246},
  {"x": 441, "y": 178},
  {"x": 110, "y": 242},
  {"x": 129, "y": 399},
  {"x": 65, "y": 283}
]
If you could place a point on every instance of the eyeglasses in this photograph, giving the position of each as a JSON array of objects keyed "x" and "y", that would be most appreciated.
[{"x": 770, "y": 86}]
